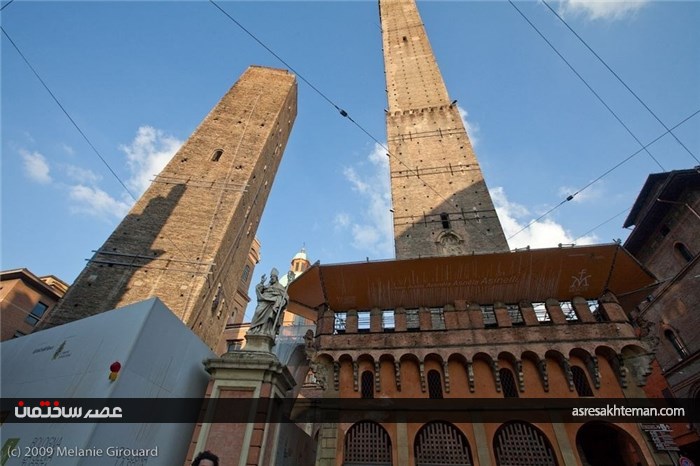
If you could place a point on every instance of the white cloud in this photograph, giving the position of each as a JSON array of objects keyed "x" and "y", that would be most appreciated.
[
  {"x": 35, "y": 166},
  {"x": 544, "y": 233},
  {"x": 472, "y": 128},
  {"x": 602, "y": 9},
  {"x": 147, "y": 154},
  {"x": 67, "y": 149},
  {"x": 94, "y": 201},
  {"x": 341, "y": 220},
  {"x": 374, "y": 233},
  {"x": 82, "y": 175}
]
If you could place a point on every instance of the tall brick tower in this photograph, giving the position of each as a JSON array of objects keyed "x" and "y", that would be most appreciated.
[
  {"x": 441, "y": 204},
  {"x": 187, "y": 238}
]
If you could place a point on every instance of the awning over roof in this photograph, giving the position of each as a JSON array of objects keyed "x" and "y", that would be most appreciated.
[{"x": 533, "y": 275}]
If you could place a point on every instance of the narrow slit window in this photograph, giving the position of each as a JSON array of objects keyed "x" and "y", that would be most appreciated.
[
  {"x": 217, "y": 155},
  {"x": 445, "y": 219},
  {"x": 434, "y": 384}
]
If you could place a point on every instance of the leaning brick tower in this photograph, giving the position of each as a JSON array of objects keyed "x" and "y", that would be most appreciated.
[
  {"x": 441, "y": 204},
  {"x": 187, "y": 238}
]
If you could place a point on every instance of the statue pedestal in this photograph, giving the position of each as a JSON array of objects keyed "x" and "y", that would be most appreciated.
[
  {"x": 261, "y": 343},
  {"x": 252, "y": 383}
]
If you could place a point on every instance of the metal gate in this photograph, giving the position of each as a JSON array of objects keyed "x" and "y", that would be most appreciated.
[
  {"x": 521, "y": 444},
  {"x": 367, "y": 444},
  {"x": 440, "y": 443}
]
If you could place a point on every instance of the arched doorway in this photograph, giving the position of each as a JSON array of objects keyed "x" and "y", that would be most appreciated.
[
  {"x": 441, "y": 443},
  {"x": 604, "y": 444},
  {"x": 522, "y": 444},
  {"x": 367, "y": 444}
]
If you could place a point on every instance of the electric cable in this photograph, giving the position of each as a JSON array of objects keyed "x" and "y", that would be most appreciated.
[
  {"x": 607, "y": 172},
  {"x": 620, "y": 80},
  {"x": 344, "y": 113},
  {"x": 600, "y": 99},
  {"x": 70, "y": 118}
]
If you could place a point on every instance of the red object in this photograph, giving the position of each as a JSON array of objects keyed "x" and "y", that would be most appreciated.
[{"x": 115, "y": 367}]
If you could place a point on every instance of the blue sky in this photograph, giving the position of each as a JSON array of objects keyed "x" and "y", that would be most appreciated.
[{"x": 138, "y": 77}]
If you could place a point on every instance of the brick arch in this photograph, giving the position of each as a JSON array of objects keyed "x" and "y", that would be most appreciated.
[
  {"x": 367, "y": 443},
  {"x": 563, "y": 365},
  {"x": 516, "y": 440},
  {"x": 485, "y": 378},
  {"x": 540, "y": 365},
  {"x": 615, "y": 361},
  {"x": 440, "y": 442},
  {"x": 606, "y": 444},
  {"x": 412, "y": 378},
  {"x": 589, "y": 362}
]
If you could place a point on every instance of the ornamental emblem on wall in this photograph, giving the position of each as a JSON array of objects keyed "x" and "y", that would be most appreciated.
[{"x": 579, "y": 282}]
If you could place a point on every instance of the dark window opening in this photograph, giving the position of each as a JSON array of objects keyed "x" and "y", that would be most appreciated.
[
  {"x": 217, "y": 155},
  {"x": 445, "y": 219},
  {"x": 437, "y": 318},
  {"x": 489, "y": 316},
  {"x": 412, "y": 320},
  {"x": 581, "y": 382},
  {"x": 246, "y": 272},
  {"x": 510, "y": 390},
  {"x": 676, "y": 343},
  {"x": 367, "y": 384},
  {"x": 516, "y": 317},
  {"x": 684, "y": 252},
  {"x": 434, "y": 384}
]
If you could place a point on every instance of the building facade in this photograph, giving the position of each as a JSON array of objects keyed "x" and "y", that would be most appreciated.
[
  {"x": 26, "y": 301},
  {"x": 460, "y": 319},
  {"x": 187, "y": 239},
  {"x": 666, "y": 240}
]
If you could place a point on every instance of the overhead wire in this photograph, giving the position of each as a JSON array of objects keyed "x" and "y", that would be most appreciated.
[
  {"x": 620, "y": 80},
  {"x": 603, "y": 223},
  {"x": 590, "y": 88},
  {"x": 600, "y": 177},
  {"x": 342, "y": 112},
  {"x": 73, "y": 122},
  {"x": 6, "y": 5}
]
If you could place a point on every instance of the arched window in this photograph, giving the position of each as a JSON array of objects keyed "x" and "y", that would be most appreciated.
[
  {"x": 581, "y": 382},
  {"x": 517, "y": 440},
  {"x": 434, "y": 384},
  {"x": 441, "y": 443},
  {"x": 367, "y": 443},
  {"x": 367, "y": 383},
  {"x": 217, "y": 155},
  {"x": 510, "y": 390},
  {"x": 676, "y": 343},
  {"x": 683, "y": 251}
]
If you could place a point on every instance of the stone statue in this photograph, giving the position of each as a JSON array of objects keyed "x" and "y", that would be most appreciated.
[{"x": 272, "y": 300}]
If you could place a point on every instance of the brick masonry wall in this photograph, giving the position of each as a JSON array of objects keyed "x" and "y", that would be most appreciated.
[
  {"x": 440, "y": 200},
  {"x": 187, "y": 238}
]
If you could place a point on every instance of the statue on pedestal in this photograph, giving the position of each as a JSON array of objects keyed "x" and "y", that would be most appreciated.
[{"x": 272, "y": 301}]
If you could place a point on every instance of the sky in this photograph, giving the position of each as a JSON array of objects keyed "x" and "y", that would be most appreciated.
[{"x": 137, "y": 78}]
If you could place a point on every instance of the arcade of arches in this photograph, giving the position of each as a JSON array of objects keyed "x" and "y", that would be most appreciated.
[{"x": 515, "y": 443}]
